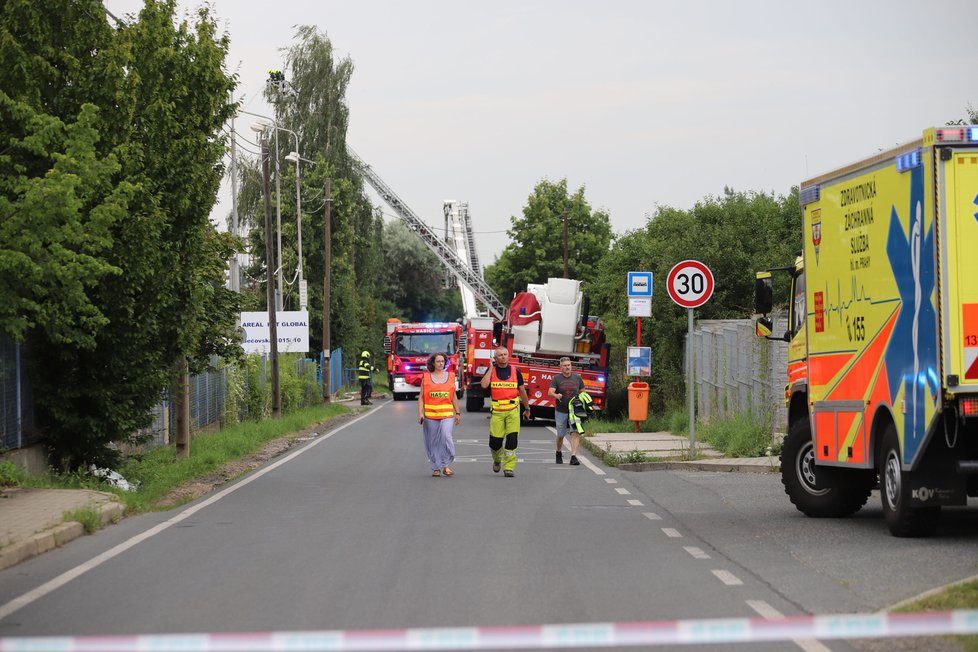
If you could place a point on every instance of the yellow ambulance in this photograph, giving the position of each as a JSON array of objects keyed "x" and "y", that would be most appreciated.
[{"x": 883, "y": 335}]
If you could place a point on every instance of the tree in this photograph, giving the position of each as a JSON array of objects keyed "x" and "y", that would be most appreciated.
[
  {"x": 131, "y": 180},
  {"x": 315, "y": 109},
  {"x": 734, "y": 235},
  {"x": 414, "y": 278},
  {"x": 971, "y": 119},
  {"x": 536, "y": 252}
]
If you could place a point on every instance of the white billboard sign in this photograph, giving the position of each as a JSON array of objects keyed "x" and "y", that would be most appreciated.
[{"x": 292, "y": 329}]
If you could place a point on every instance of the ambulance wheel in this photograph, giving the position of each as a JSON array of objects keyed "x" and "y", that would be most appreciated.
[
  {"x": 903, "y": 520},
  {"x": 820, "y": 491},
  {"x": 474, "y": 404}
]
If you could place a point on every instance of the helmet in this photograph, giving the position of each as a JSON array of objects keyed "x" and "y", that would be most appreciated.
[{"x": 365, "y": 354}]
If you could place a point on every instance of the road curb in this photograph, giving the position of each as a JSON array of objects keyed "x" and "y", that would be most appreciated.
[
  {"x": 718, "y": 466},
  {"x": 56, "y": 536}
]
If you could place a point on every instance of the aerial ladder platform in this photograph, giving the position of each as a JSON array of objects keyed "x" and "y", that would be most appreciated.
[{"x": 469, "y": 276}]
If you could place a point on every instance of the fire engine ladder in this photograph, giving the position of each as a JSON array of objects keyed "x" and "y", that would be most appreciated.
[
  {"x": 467, "y": 276},
  {"x": 458, "y": 232}
]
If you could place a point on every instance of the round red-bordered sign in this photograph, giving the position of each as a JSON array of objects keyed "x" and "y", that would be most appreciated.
[{"x": 690, "y": 283}]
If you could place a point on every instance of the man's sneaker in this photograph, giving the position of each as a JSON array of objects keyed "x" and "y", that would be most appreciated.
[
  {"x": 560, "y": 457},
  {"x": 496, "y": 466},
  {"x": 508, "y": 474},
  {"x": 574, "y": 461}
]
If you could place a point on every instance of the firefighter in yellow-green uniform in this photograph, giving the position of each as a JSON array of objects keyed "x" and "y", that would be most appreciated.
[
  {"x": 507, "y": 390},
  {"x": 364, "y": 374}
]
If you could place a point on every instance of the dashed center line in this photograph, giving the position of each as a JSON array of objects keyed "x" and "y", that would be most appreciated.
[
  {"x": 611, "y": 481},
  {"x": 652, "y": 516},
  {"x": 727, "y": 577},
  {"x": 696, "y": 552},
  {"x": 634, "y": 502},
  {"x": 623, "y": 491},
  {"x": 672, "y": 533},
  {"x": 770, "y": 613}
]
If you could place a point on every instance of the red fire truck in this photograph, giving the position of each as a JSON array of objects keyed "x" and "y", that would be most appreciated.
[
  {"x": 547, "y": 322},
  {"x": 408, "y": 346},
  {"x": 542, "y": 325}
]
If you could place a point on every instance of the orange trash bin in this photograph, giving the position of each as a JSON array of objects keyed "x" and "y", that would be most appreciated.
[{"x": 638, "y": 401}]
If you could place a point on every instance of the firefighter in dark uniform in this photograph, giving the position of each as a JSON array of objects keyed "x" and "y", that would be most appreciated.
[{"x": 364, "y": 372}]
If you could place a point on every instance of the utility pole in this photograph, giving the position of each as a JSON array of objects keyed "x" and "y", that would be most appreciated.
[
  {"x": 279, "y": 304},
  {"x": 235, "y": 274},
  {"x": 183, "y": 408},
  {"x": 270, "y": 284},
  {"x": 566, "y": 271},
  {"x": 327, "y": 390}
]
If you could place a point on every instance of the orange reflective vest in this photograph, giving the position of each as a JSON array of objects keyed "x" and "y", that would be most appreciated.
[
  {"x": 505, "y": 393},
  {"x": 437, "y": 397}
]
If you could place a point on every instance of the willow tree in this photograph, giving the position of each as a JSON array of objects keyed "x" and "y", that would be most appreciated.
[{"x": 312, "y": 104}]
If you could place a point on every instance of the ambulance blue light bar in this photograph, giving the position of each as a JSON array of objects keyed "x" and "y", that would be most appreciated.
[
  {"x": 908, "y": 161},
  {"x": 809, "y": 195}
]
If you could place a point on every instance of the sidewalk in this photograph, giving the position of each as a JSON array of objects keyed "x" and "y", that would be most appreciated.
[
  {"x": 671, "y": 451},
  {"x": 32, "y": 521}
]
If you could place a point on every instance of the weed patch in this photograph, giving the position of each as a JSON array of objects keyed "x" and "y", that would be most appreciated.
[
  {"x": 89, "y": 517},
  {"x": 740, "y": 436}
]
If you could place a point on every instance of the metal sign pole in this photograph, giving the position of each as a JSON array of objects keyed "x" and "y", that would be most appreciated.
[{"x": 689, "y": 380}]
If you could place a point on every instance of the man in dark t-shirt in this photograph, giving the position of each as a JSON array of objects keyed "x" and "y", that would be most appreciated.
[{"x": 565, "y": 386}]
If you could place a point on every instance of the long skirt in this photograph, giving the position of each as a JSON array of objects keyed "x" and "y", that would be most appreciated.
[{"x": 438, "y": 443}]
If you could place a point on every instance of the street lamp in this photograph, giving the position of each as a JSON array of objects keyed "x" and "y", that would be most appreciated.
[
  {"x": 260, "y": 128},
  {"x": 293, "y": 157}
]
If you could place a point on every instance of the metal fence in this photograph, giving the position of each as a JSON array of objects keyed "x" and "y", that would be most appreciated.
[
  {"x": 208, "y": 398},
  {"x": 16, "y": 406},
  {"x": 740, "y": 373}
]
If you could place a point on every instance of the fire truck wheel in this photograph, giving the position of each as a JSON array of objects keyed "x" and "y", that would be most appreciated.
[
  {"x": 903, "y": 520},
  {"x": 820, "y": 491}
]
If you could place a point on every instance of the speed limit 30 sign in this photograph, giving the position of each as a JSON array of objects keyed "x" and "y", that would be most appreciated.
[{"x": 690, "y": 283}]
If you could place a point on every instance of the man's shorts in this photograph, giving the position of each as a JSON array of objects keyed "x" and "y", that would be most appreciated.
[
  {"x": 503, "y": 423},
  {"x": 562, "y": 421}
]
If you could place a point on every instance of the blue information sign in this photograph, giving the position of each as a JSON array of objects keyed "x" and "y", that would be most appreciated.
[{"x": 639, "y": 284}]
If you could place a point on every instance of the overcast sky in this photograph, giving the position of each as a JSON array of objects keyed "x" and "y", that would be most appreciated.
[{"x": 643, "y": 103}]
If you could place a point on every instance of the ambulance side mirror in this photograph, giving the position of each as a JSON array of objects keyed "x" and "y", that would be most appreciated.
[{"x": 763, "y": 293}]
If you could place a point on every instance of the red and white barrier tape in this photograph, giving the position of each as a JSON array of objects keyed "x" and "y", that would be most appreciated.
[{"x": 666, "y": 632}]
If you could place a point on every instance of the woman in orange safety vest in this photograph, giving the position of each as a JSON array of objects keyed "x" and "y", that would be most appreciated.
[{"x": 437, "y": 412}]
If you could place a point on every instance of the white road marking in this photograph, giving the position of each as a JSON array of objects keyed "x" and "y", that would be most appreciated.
[
  {"x": 652, "y": 516},
  {"x": 623, "y": 491},
  {"x": 635, "y": 503},
  {"x": 696, "y": 552},
  {"x": 770, "y": 613},
  {"x": 54, "y": 584},
  {"x": 672, "y": 533},
  {"x": 727, "y": 577},
  {"x": 611, "y": 481}
]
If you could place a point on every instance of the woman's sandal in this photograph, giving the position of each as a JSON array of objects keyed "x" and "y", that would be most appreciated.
[
  {"x": 448, "y": 471},
  {"x": 436, "y": 473}
]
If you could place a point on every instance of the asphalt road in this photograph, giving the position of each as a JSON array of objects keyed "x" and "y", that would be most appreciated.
[{"x": 350, "y": 531}]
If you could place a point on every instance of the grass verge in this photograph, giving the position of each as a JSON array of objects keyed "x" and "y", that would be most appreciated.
[
  {"x": 159, "y": 471},
  {"x": 956, "y": 596}
]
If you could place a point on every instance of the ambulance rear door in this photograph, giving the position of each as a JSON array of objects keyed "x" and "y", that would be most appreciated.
[{"x": 957, "y": 195}]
